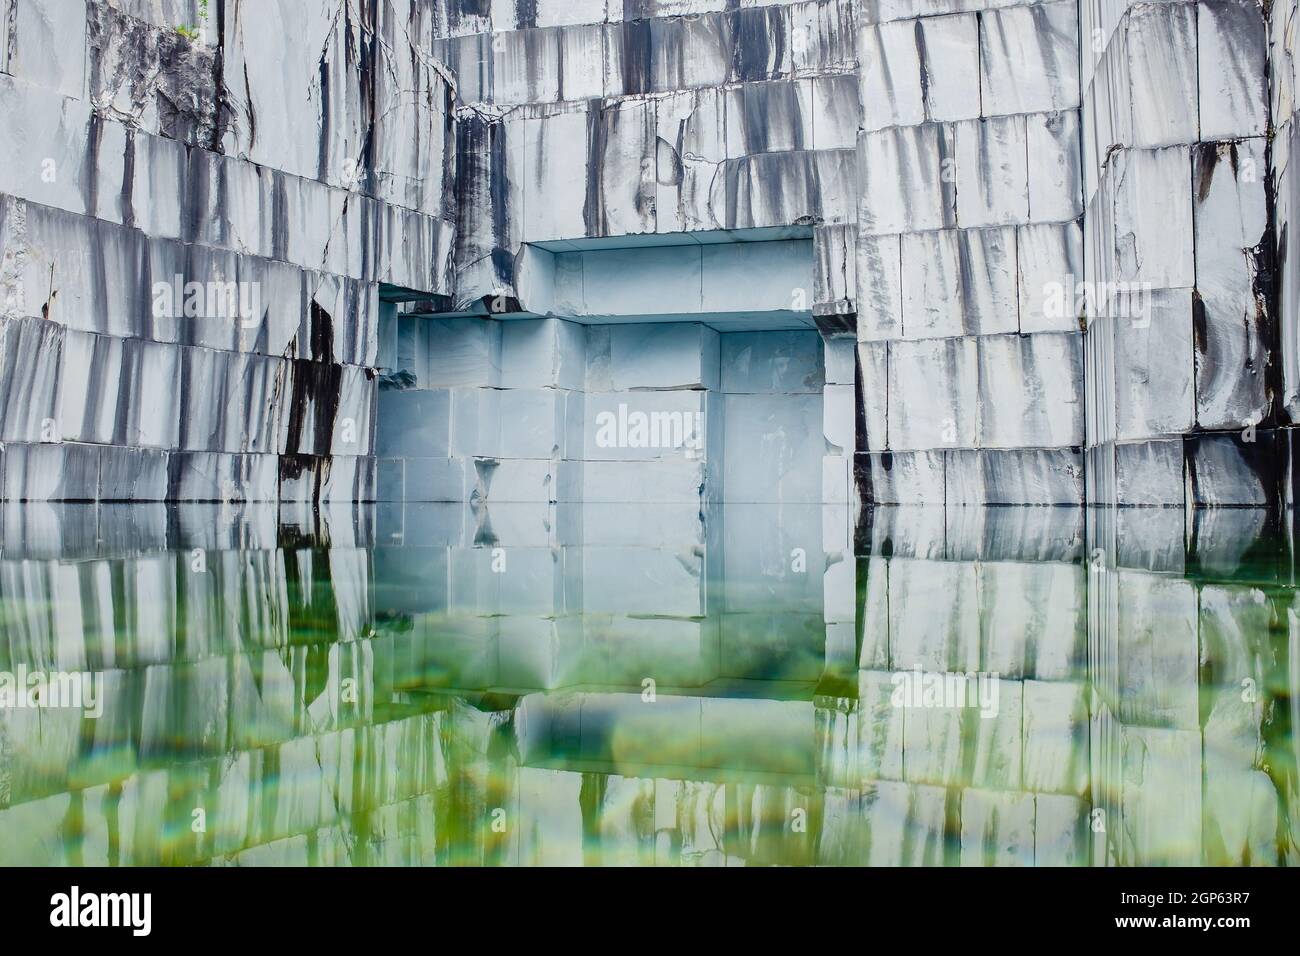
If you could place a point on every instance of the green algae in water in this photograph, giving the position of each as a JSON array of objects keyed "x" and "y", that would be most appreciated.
[{"x": 440, "y": 685}]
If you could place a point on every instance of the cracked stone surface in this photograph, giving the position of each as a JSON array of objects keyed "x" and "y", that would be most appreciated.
[{"x": 1049, "y": 255}]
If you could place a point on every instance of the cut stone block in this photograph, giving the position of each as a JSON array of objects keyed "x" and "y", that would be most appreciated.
[
  {"x": 906, "y": 180},
  {"x": 48, "y": 45},
  {"x": 774, "y": 448},
  {"x": 896, "y": 478},
  {"x": 1029, "y": 389},
  {"x": 1060, "y": 831},
  {"x": 652, "y": 356},
  {"x": 1049, "y": 265},
  {"x": 890, "y": 77},
  {"x": 669, "y": 481},
  {"x": 537, "y": 353},
  {"x": 1231, "y": 54},
  {"x": 646, "y": 425},
  {"x": 437, "y": 479},
  {"x": 992, "y": 174},
  {"x": 1228, "y": 469},
  {"x": 508, "y": 479},
  {"x": 414, "y": 424},
  {"x": 879, "y": 287},
  {"x": 906, "y": 824},
  {"x": 1149, "y": 473},
  {"x": 933, "y": 389},
  {"x": 1154, "y": 368},
  {"x": 1229, "y": 315},
  {"x": 874, "y": 363},
  {"x": 1153, "y": 230},
  {"x": 462, "y": 352},
  {"x": 772, "y": 362},
  {"x": 1027, "y": 476},
  {"x": 1029, "y": 59},
  {"x": 533, "y": 422}
]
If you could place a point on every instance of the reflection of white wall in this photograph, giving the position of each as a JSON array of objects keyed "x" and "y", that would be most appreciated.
[{"x": 563, "y": 595}]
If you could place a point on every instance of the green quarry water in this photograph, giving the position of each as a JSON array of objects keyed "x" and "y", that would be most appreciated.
[{"x": 647, "y": 685}]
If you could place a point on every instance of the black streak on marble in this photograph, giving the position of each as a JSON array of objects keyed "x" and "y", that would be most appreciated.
[
  {"x": 127, "y": 198},
  {"x": 593, "y": 210},
  {"x": 316, "y": 386},
  {"x": 279, "y": 216},
  {"x": 637, "y": 58},
  {"x": 918, "y": 35},
  {"x": 758, "y": 40},
  {"x": 90, "y": 167},
  {"x": 503, "y": 263},
  {"x": 323, "y": 143},
  {"x": 195, "y": 214},
  {"x": 322, "y": 334},
  {"x": 458, "y": 11},
  {"x": 1268, "y": 258},
  {"x": 525, "y": 14}
]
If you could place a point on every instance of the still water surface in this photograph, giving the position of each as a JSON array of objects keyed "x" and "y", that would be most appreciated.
[{"x": 515, "y": 685}]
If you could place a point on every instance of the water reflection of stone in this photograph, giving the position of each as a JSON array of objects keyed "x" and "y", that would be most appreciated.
[
  {"x": 1000, "y": 592},
  {"x": 448, "y": 684},
  {"x": 1193, "y": 650}
]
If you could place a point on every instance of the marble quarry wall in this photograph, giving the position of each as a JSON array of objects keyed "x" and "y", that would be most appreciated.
[
  {"x": 548, "y": 410},
  {"x": 630, "y": 166},
  {"x": 1078, "y": 277},
  {"x": 970, "y": 199},
  {"x": 196, "y": 232},
  {"x": 588, "y": 119},
  {"x": 1183, "y": 388},
  {"x": 1283, "y": 186},
  {"x": 1044, "y": 246}
]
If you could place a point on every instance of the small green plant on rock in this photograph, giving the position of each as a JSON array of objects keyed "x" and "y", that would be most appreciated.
[{"x": 195, "y": 33}]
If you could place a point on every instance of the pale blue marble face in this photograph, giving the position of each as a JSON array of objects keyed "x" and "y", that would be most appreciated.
[{"x": 655, "y": 684}]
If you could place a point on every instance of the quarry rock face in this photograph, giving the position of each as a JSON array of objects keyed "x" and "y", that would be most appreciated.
[
  {"x": 1184, "y": 391},
  {"x": 653, "y": 295},
  {"x": 875, "y": 252}
]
